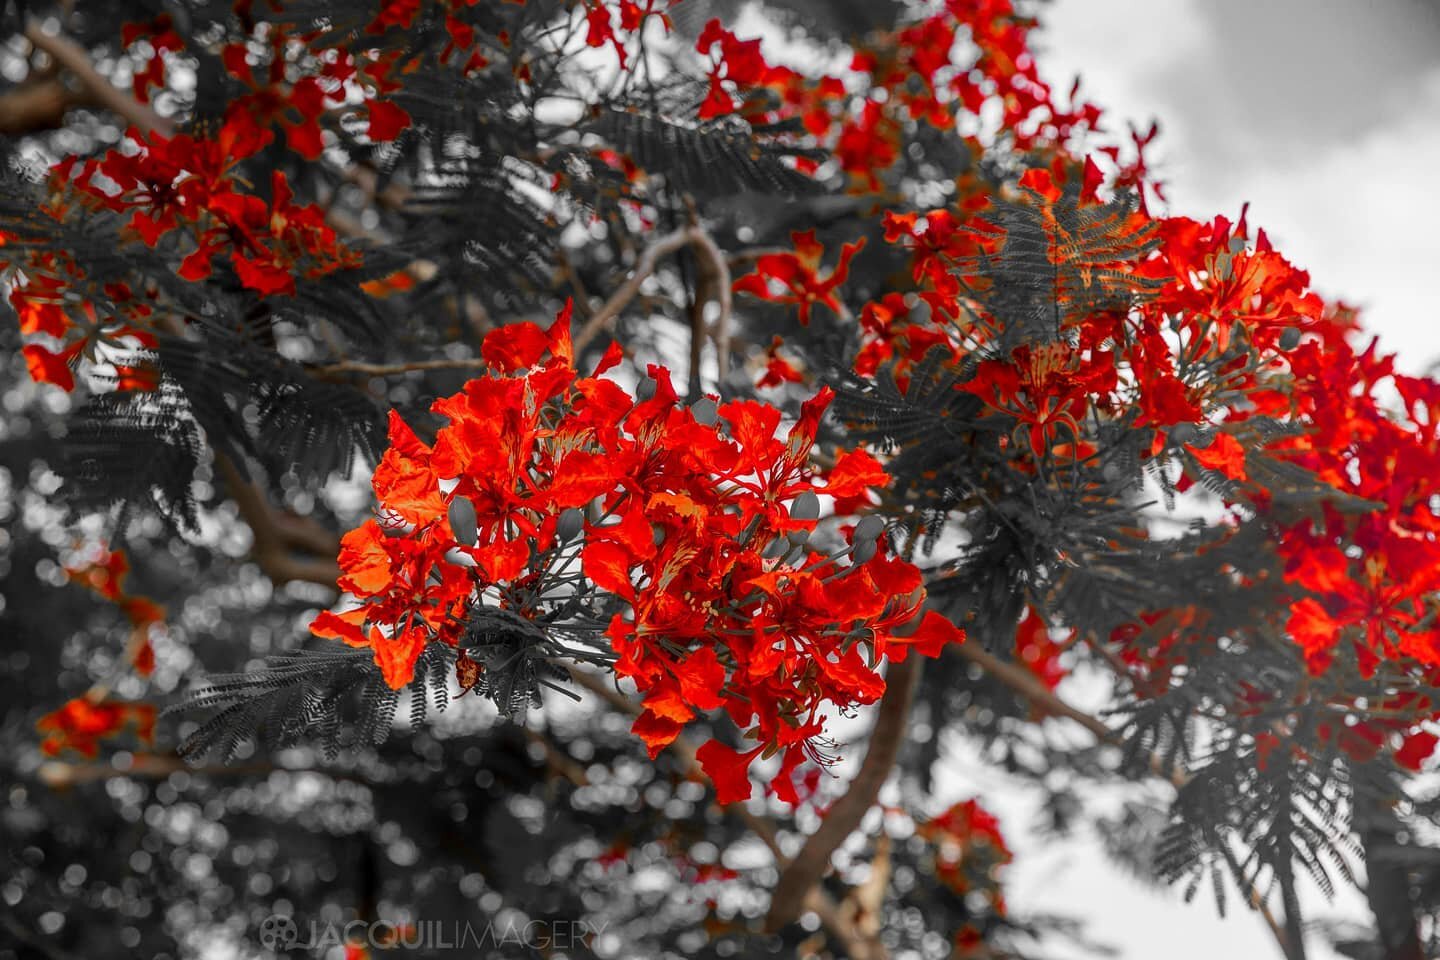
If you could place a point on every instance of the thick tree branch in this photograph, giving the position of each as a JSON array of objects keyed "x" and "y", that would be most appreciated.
[
  {"x": 73, "y": 58},
  {"x": 271, "y": 549},
  {"x": 859, "y": 944},
  {"x": 39, "y": 104},
  {"x": 813, "y": 860}
]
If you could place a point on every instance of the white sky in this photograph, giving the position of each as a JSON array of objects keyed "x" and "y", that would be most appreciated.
[{"x": 1321, "y": 114}]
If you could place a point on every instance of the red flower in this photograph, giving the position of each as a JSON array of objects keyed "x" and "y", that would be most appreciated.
[
  {"x": 1416, "y": 749},
  {"x": 794, "y": 277},
  {"x": 778, "y": 370},
  {"x": 728, "y": 769},
  {"x": 660, "y": 524},
  {"x": 82, "y": 723},
  {"x": 387, "y": 121},
  {"x": 1224, "y": 454}
]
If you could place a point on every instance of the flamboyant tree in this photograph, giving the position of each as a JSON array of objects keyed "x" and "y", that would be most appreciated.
[{"x": 709, "y": 389}]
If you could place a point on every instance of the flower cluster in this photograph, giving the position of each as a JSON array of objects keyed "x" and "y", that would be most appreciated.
[
  {"x": 969, "y": 851},
  {"x": 104, "y": 572},
  {"x": 919, "y": 72},
  {"x": 80, "y": 724},
  {"x": 794, "y": 278},
  {"x": 678, "y": 537}
]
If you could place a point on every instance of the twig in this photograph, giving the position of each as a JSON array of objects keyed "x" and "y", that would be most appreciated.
[
  {"x": 710, "y": 255},
  {"x": 811, "y": 863},
  {"x": 692, "y": 235},
  {"x": 1026, "y": 684},
  {"x": 610, "y": 309},
  {"x": 72, "y": 57},
  {"x": 395, "y": 369}
]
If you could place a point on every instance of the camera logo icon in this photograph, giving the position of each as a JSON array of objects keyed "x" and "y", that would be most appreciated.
[{"x": 278, "y": 932}]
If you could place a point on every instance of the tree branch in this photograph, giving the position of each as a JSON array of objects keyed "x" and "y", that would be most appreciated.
[
  {"x": 73, "y": 58},
  {"x": 1025, "y": 683},
  {"x": 39, "y": 104},
  {"x": 858, "y": 944},
  {"x": 694, "y": 236},
  {"x": 813, "y": 860},
  {"x": 394, "y": 369},
  {"x": 272, "y": 543}
]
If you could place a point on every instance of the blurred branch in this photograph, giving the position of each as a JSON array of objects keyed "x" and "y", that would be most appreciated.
[
  {"x": 1041, "y": 697},
  {"x": 709, "y": 253},
  {"x": 394, "y": 369},
  {"x": 38, "y": 104},
  {"x": 813, "y": 860},
  {"x": 97, "y": 90},
  {"x": 38, "y": 944},
  {"x": 62, "y": 774},
  {"x": 274, "y": 538},
  {"x": 839, "y": 921}
]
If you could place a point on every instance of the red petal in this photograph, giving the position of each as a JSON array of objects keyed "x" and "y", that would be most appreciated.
[
  {"x": 386, "y": 120},
  {"x": 728, "y": 770}
]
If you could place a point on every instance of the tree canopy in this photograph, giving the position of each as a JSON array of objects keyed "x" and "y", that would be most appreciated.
[{"x": 472, "y": 471}]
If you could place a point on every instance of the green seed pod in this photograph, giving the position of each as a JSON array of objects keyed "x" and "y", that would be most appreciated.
[
  {"x": 705, "y": 411},
  {"x": 806, "y": 506},
  {"x": 571, "y": 522},
  {"x": 864, "y": 550},
  {"x": 1290, "y": 339},
  {"x": 462, "y": 521},
  {"x": 869, "y": 528}
]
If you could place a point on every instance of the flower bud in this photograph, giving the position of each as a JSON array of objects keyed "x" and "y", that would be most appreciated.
[
  {"x": 568, "y": 527},
  {"x": 869, "y": 528},
  {"x": 775, "y": 548},
  {"x": 645, "y": 389},
  {"x": 1290, "y": 339},
  {"x": 462, "y": 521},
  {"x": 864, "y": 550},
  {"x": 705, "y": 411},
  {"x": 806, "y": 506}
]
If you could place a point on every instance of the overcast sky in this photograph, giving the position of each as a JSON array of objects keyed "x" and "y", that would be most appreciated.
[{"x": 1322, "y": 114}]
